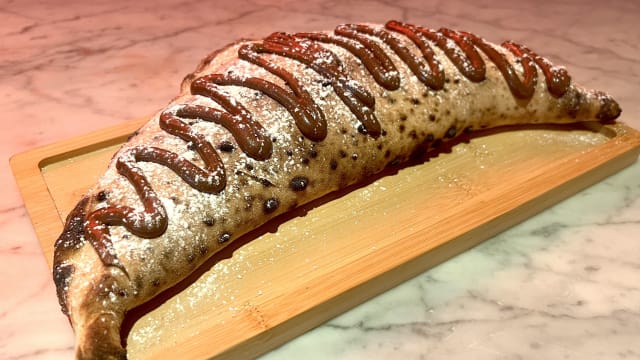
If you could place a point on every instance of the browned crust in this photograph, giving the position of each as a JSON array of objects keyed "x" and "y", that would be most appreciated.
[
  {"x": 609, "y": 108},
  {"x": 106, "y": 339},
  {"x": 101, "y": 294},
  {"x": 70, "y": 240}
]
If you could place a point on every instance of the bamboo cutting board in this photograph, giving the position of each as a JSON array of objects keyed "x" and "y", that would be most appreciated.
[{"x": 303, "y": 269}]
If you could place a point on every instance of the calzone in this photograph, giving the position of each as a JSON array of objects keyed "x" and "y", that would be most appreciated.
[{"x": 262, "y": 127}]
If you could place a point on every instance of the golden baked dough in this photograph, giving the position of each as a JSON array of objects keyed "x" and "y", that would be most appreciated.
[{"x": 264, "y": 126}]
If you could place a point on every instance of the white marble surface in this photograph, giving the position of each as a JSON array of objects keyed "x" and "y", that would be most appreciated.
[{"x": 562, "y": 285}]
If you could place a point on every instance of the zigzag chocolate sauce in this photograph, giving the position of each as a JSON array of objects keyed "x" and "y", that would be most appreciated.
[{"x": 461, "y": 48}]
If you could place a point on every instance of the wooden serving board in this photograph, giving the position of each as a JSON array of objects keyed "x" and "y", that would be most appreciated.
[{"x": 302, "y": 270}]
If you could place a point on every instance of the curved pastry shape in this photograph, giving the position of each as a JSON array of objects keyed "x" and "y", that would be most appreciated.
[{"x": 264, "y": 126}]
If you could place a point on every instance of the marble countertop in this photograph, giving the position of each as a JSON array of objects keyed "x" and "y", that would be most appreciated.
[{"x": 562, "y": 285}]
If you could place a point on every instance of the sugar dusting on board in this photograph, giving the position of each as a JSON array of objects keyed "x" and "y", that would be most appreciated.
[
  {"x": 576, "y": 138},
  {"x": 233, "y": 286},
  {"x": 292, "y": 256},
  {"x": 236, "y": 284}
]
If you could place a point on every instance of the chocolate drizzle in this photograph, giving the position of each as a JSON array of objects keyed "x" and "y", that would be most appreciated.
[
  {"x": 367, "y": 50},
  {"x": 557, "y": 78},
  {"x": 359, "y": 100},
  {"x": 367, "y": 44}
]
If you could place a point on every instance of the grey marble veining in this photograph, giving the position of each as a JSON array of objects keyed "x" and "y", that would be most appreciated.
[
  {"x": 557, "y": 286},
  {"x": 562, "y": 285}
]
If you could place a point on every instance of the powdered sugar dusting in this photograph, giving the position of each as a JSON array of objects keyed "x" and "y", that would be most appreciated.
[{"x": 412, "y": 118}]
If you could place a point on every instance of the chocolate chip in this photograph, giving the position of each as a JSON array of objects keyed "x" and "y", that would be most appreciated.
[
  {"x": 101, "y": 195},
  {"x": 298, "y": 183},
  {"x": 224, "y": 237},
  {"x": 226, "y": 146},
  {"x": 451, "y": 132},
  {"x": 271, "y": 205}
]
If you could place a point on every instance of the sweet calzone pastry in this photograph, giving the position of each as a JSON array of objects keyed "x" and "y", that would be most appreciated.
[{"x": 264, "y": 126}]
